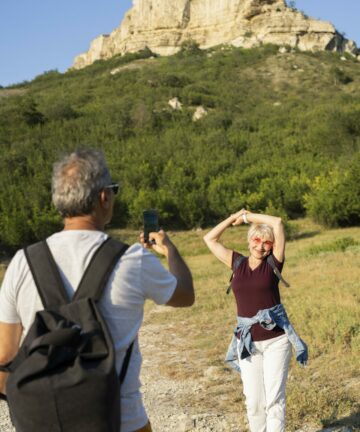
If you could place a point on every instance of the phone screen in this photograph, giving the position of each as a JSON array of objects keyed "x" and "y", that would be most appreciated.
[{"x": 151, "y": 223}]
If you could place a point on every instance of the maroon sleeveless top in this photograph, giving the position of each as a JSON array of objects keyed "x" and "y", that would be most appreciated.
[{"x": 254, "y": 290}]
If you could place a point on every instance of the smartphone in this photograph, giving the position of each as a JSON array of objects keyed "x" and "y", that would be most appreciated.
[{"x": 151, "y": 223}]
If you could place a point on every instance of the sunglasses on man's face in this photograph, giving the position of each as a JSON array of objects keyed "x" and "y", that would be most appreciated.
[
  {"x": 114, "y": 187},
  {"x": 267, "y": 243}
]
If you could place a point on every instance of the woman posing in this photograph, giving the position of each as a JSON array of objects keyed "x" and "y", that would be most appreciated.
[{"x": 261, "y": 347}]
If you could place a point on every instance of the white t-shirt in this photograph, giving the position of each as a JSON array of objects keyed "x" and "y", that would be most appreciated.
[{"x": 138, "y": 276}]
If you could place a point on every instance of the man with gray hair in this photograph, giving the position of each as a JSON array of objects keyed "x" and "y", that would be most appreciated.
[{"x": 84, "y": 194}]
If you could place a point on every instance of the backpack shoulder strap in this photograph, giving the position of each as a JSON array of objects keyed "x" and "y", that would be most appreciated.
[
  {"x": 46, "y": 275},
  {"x": 99, "y": 269},
  {"x": 270, "y": 260},
  {"x": 126, "y": 362},
  {"x": 238, "y": 261},
  {"x": 236, "y": 265}
]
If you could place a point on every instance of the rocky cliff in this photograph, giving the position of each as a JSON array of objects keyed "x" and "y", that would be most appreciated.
[{"x": 162, "y": 26}]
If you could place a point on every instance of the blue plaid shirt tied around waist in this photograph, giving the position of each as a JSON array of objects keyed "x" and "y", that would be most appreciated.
[{"x": 268, "y": 319}]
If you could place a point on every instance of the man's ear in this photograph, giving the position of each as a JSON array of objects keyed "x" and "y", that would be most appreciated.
[{"x": 105, "y": 198}]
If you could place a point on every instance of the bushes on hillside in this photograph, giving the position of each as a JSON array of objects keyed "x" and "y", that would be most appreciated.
[
  {"x": 291, "y": 158},
  {"x": 334, "y": 198},
  {"x": 30, "y": 112}
]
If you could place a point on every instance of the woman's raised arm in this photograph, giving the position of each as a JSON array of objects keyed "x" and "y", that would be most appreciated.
[{"x": 212, "y": 238}]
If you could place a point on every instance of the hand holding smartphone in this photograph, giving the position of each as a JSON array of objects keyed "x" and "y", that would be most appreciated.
[{"x": 151, "y": 223}]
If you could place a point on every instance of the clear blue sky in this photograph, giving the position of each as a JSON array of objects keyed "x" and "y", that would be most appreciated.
[{"x": 40, "y": 35}]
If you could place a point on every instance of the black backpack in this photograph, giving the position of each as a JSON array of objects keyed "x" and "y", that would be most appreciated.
[
  {"x": 64, "y": 379},
  {"x": 270, "y": 261}
]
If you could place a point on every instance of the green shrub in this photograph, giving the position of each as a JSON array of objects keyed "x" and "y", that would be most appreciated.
[
  {"x": 48, "y": 76},
  {"x": 60, "y": 110},
  {"x": 30, "y": 113},
  {"x": 190, "y": 48},
  {"x": 340, "y": 245},
  {"x": 340, "y": 76},
  {"x": 334, "y": 197},
  {"x": 175, "y": 81}
]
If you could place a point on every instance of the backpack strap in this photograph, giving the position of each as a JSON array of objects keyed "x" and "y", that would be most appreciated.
[
  {"x": 99, "y": 269},
  {"x": 95, "y": 278},
  {"x": 46, "y": 275},
  {"x": 236, "y": 265},
  {"x": 271, "y": 262},
  {"x": 126, "y": 362}
]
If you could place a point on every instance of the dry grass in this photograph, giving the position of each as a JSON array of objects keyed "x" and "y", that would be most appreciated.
[
  {"x": 134, "y": 65},
  {"x": 5, "y": 93}
]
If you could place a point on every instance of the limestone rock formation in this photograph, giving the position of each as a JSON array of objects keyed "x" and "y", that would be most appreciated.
[{"x": 162, "y": 26}]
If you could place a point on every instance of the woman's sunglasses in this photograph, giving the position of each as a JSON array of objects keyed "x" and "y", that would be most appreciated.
[{"x": 267, "y": 243}]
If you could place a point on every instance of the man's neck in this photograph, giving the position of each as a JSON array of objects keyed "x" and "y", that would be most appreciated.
[{"x": 87, "y": 222}]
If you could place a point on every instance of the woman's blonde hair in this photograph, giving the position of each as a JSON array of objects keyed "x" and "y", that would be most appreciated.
[{"x": 265, "y": 232}]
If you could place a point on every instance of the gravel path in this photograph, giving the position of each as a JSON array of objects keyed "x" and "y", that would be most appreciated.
[{"x": 162, "y": 394}]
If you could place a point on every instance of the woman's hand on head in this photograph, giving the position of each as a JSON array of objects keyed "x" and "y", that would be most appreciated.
[{"x": 238, "y": 217}]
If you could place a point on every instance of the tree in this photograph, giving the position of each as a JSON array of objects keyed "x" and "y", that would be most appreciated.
[
  {"x": 189, "y": 48},
  {"x": 334, "y": 199},
  {"x": 30, "y": 113}
]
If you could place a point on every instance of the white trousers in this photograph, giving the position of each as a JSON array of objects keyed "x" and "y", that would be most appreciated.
[{"x": 264, "y": 376}]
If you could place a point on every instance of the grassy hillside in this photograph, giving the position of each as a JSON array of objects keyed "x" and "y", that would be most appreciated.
[
  {"x": 281, "y": 134},
  {"x": 323, "y": 303}
]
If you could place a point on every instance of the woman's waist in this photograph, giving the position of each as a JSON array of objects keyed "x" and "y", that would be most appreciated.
[
  {"x": 259, "y": 334},
  {"x": 251, "y": 310},
  {"x": 267, "y": 319}
]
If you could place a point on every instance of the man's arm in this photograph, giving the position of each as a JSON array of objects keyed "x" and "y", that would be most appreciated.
[
  {"x": 184, "y": 295},
  {"x": 10, "y": 335},
  {"x": 184, "y": 292}
]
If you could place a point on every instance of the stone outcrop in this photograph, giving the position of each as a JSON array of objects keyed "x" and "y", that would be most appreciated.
[
  {"x": 175, "y": 104},
  {"x": 199, "y": 113},
  {"x": 163, "y": 25}
]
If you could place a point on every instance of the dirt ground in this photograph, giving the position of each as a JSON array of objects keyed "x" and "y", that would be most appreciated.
[{"x": 173, "y": 404}]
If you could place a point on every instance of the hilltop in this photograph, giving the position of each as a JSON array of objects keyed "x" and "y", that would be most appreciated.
[
  {"x": 275, "y": 130},
  {"x": 164, "y": 25}
]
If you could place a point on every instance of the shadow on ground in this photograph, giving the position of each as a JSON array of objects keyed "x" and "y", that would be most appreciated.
[
  {"x": 304, "y": 235},
  {"x": 352, "y": 421}
]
